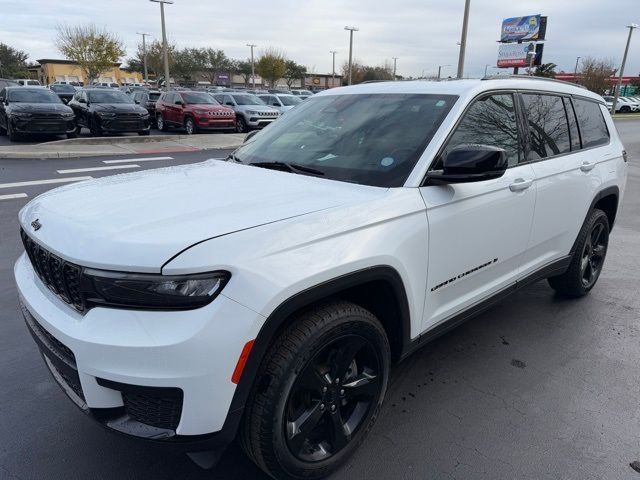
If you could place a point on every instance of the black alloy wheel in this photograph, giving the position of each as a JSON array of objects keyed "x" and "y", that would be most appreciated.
[
  {"x": 593, "y": 255},
  {"x": 241, "y": 125},
  {"x": 332, "y": 397}
]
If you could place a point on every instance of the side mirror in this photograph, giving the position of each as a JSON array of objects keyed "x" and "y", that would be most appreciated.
[
  {"x": 470, "y": 163},
  {"x": 178, "y": 102},
  {"x": 82, "y": 100},
  {"x": 137, "y": 101},
  {"x": 250, "y": 135}
]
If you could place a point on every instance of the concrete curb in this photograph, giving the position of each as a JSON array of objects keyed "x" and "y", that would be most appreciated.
[{"x": 117, "y": 140}]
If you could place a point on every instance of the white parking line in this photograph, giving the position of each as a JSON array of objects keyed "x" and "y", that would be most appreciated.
[
  {"x": 125, "y": 160},
  {"x": 97, "y": 169},
  {"x": 44, "y": 182},
  {"x": 12, "y": 196}
]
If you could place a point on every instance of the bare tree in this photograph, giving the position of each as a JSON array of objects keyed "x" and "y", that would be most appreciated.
[
  {"x": 596, "y": 74},
  {"x": 94, "y": 49}
]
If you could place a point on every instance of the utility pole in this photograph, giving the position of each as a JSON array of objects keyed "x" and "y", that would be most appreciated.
[
  {"x": 253, "y": 69},
  {"x": 575, "y": 70},
  {"x": 144, "y": 56},
  {"x": 463, "y": 38},
  {"x": 333, "y": 68},
  {"x": 440, "y": 67},
  {"x": 395, "y": 60},
  {"x": 351, "y": 30},
  {"x": 624, "y": 61},
  {"x": 165, "y": 47}
]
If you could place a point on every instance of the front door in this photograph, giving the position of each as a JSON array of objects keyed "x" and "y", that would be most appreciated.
[{"x": 478, "y": 231}]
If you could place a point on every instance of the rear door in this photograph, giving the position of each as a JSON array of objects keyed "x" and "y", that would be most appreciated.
[
  {"x": 566, "y": 168},
  {"x": 478, "y": 231}
]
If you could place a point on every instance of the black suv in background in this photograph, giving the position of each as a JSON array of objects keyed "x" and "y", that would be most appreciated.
[
  {"x": 109, "y": 111},
  {"x": 27, "y": 110},
  {"x": 64, "y": 91},
  {"x": 147, "y": 99}
]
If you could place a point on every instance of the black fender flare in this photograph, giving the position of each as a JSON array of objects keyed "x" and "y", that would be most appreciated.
[{"x": 612, "y": 190}]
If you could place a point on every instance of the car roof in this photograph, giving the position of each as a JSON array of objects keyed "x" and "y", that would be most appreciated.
[
  {"x": 30, "y": 87},
  {"x": 467, "y": 88}
]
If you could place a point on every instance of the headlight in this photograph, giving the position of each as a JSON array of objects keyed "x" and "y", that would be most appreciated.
[
  {"x": 144, "y": 115},
  {"x": 150, "y": 291},
  {"x": 21, "y": 115},
  {"x": 201, "y": 112},
  {"x": 106, "y": 114},
  {"x": 68, "y": 115}
]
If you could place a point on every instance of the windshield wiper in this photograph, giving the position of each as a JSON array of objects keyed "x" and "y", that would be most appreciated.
[
  {"x": 289, "y": 167},
  {"x": 232, "y": 157}
]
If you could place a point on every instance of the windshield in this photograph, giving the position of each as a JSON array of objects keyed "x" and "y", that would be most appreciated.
[
  {"x": 24, "y": 95},
  {"x": 247, "y": 100},
  {"x": 63, "y": 89},
  {"x": 153, "y": 96},
  {"x": 108, "y": 96},
  {"x": 195, "y": 98},
  {"x": 371, "y": 139},
  {"x": 289, "y": 101}
]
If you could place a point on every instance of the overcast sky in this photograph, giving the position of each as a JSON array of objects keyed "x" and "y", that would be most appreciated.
[{"x": 422, "y": 33}]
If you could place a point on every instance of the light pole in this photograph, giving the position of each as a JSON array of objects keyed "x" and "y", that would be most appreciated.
[
  {"x": 485, "y": 68},
  {"x": 333, "y": 68},
  {"x": 624, "y": 60},
  {"x": 463, "y": 38},
  {"x": 440, "y": 69},
  {"x": 144, "y": 56},
  {"x": 165, "y": 48},
  {"x": 253, "y": 69},
  {"x": 395, "y": 61},
  {"x": 575, "y": 70},
  {"x": 351, "y": 30}
]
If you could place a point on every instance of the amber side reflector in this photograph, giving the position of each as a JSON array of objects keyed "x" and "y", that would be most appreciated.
[{"x": 242, "y": 361}]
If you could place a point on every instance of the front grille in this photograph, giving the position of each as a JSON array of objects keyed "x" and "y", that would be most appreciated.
[
  {"x": 60, "y": 276},
  {"x": 220, "y": 114},
  {"x": 56, "y": 345},
  {"x": 269, "y": 114},
  {"x": 153, "y": 409}
]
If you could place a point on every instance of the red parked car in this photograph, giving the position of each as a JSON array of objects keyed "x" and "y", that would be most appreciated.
[{"x": 193, "y": 111}]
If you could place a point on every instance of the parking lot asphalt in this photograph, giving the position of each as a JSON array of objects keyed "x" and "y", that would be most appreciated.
[{"x": 538, "y": 387}]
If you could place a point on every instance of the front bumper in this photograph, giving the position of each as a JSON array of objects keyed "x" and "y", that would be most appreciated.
[
  {"x": 216, "y": 123},
  {"x": 161, "y": 376},
  {"x": 44, "y": 124},
  {"x": 124, "y": 124}
]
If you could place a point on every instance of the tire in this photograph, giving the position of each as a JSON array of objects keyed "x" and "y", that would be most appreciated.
[
  {"x": 94, "y": 128},
  {"x": 78, "y": 130},
  {"x": 625, "y": 109},
  {"x": 588, "y": 258},
  {"x": 241, "y": 124},
  {"x": 162, "y": 125},
  {"x": 144, "y": 133},
  {"x": 13, "y": 135},
  {"x": 3, "y": 131},
  {"x": 73, "y": 134},
  {"x": 306, "y": 386},
  {"x": 190, "y": 126}
]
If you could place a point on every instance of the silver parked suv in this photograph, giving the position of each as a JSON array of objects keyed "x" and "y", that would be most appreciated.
[{"x": 251, "y": 112}]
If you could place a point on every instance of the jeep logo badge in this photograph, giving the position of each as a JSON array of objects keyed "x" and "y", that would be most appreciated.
[{"x": 36, "y": 224}]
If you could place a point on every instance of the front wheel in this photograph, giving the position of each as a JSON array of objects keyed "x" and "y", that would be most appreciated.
[
  {"x": 328, "y": 375},
  {"x": 13, "y": 135},
  {"x": 241, "y": 125},
  {"x": 625, "y": 109},
  {"x": 588, "y": 258},
  {"x": 162, "y": 126},
  {"x": 144, "y": 133},
  {"x": 95, "y": 128},
  {"x": 190, "y": 126}
]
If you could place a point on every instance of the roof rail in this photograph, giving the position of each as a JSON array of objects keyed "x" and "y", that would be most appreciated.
[{"x": 530, "y": 77}]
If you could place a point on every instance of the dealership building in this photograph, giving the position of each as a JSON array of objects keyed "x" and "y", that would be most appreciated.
[{"x": 49, "y": 71}]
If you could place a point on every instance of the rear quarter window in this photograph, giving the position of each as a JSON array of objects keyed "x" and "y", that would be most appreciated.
[{"x": 593, "y": 128}]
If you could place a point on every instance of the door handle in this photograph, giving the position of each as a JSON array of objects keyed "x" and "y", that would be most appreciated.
[
  {"x": 587, "y": 166},
  {"x": 520, "y": 184}
]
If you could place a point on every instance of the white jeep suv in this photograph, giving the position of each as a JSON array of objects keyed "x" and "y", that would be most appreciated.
[{"x": 266, "y": 296}]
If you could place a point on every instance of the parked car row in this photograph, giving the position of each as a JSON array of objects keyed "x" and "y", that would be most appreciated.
[
  {"x": 61, "y": 109},
  {"x": 624, "y": 104}
]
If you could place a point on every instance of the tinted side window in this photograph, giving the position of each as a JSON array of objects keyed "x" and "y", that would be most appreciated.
[
  {"x": 548, "y": 126},
  {"x": 593, "y": 128},
  {"x": 573, "y": 124},
  {"x": 489, "y": 121}
]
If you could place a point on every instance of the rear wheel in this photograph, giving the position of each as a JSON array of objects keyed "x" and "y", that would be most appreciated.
[
  {"x": 588, "y": 258},
  {"x": 625, "y": 109},
  {"x": 328, "y": 375}
]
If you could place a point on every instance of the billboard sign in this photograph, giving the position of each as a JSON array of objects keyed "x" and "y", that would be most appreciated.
[
  {"x": 516, "y": 54},
  {"x": 523, "y": 29}
]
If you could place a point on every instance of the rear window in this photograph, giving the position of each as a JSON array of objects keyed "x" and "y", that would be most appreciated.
[{"x": 593, "y": 129}]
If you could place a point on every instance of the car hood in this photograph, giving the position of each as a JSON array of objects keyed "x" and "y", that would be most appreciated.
[
  {"x": 139, "y": 221},
  {"x": 118, "y": 107},
  {"x": 40, "y": 108}
]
